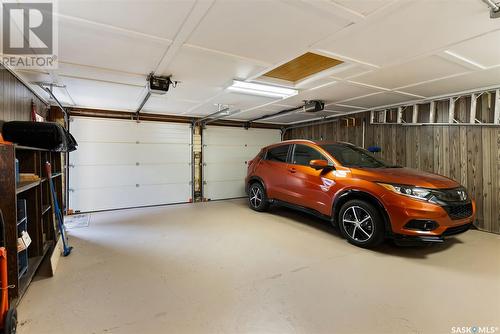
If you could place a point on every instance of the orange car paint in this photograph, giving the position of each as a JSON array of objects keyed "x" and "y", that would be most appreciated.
[{"x": 307, "y": 187}]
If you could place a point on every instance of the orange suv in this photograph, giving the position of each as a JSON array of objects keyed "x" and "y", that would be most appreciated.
[{"x": 365, "y": 197}]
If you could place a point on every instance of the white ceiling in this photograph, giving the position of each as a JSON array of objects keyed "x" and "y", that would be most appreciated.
[{"x": 394, "y": 52}]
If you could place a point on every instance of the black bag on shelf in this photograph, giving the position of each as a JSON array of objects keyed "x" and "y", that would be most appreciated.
[{"x": 45, "y": 135}]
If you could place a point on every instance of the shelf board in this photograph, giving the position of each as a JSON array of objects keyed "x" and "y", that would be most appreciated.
[
  {"x": 21, "y": 147},
  {"x": 45, "y": 209},
  {"x": 22, "y": 220},
  {"x": 56, "y": 175},
  {"x": 33, "y": 264},
  {"x": 27, "y": 185},
  {"x": 22, "y": 272}
]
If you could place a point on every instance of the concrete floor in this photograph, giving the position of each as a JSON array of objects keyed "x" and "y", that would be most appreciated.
[{"x": 220, "y": 267}]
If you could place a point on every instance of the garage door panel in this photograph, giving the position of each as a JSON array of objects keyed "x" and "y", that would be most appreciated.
[
  {"x": 89, "y": 153},
  {"x": 165, "y": 173},
  {"x": 121, "y": 163},
  {"x": 254, "y": 149},
  {"x": 102, "y": 130},
  {"x": 128, "y": 196},
  {"x": 128, "y": 153},
  {"x": 226, "y": 172},
  {"x": 163, "y": 194},
  {"x": 119, "y": 175},
  {"x": 225, "y": 189},
  {"x": 85, "y": 199},
  {"x": 102, "y": 176},
  {"x": 164, "y": 153},
  {"x": 237, "y": 135},
  {"x": 225, "y": 153},
  {"x": 163, "y": 133}
]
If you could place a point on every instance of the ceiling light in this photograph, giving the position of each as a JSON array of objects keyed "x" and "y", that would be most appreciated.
[{"x": 262, "y": 90}]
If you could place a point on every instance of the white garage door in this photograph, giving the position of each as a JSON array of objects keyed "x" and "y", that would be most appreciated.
[
  {"x": 225, "y": 153},
  {"x": 122, "y": 164}
]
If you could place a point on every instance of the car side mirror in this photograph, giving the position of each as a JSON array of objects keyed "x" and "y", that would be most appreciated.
[
  {"x": 321, "y": 164},
  {"x": 374, "y": 149}
]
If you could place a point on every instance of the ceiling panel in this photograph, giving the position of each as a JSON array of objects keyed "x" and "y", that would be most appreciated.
[
  {"x": 341, "y": 108},
  {"x": 380, "y": 99},
  {"x": 243, "y": 100},
  {"x": 100, "y": 95},
  {"x": 276, "y": 107},
  {"x": 154, "y": 17},
  {"x": 163, "y": 104},
  {"x": 474, "y": 80},
  {"x": 266, "y": 110},
  {"x": 423, "y": 69},
  {"x": 90, "y": 45},
  {"x": 299, "y": 117},
  {"x": 192, "y": 92},
  {"x": 364, "y": 7},
  {"x": 100, "y": 74},
  {"x": 416, "y": 28},
  {"x": 234, "y": 100},
  {"x": 198, "y": 66},
  {"x": 264, "y": 30},
  {"x": 352, "y": 70},
  {"x": 203, "y": 109},
  {"x": 332, "y": 93},
  {"x": 315, "y": 83},
  {"x": 35, "y": 75},
  {"x": 484, "y": 50}
]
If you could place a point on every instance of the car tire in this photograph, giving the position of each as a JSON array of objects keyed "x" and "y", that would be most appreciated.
[
  {"x": 361, "y": 223},
  {"x": 257, "y": 197}
]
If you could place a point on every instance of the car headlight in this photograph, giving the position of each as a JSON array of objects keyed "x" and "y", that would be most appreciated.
[
  {"x": 411, "y": 191},
  {"x": 436, "y": 196}
]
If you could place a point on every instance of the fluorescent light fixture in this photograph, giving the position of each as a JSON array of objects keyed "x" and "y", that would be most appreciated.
[
  {"x": 465, "y": 60},
  {"x": 261, "y": 90}
]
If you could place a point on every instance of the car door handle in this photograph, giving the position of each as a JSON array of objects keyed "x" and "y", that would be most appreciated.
[{"x": 292, "y": 170}]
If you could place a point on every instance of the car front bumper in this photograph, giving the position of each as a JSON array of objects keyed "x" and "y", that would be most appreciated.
[{"x": 401, "y": 210}]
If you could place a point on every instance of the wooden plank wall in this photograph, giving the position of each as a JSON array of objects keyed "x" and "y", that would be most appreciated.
[
  {"x": 15, "y": 99},
  {"x": 469, "y": 154}
]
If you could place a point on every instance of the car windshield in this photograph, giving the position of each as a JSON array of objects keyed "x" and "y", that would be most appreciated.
[{"x": 352, "y": 156}]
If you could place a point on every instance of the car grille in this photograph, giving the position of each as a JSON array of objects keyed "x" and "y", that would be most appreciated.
[
  {"x": 451, "y": 195},
  {"x": 456, "y": 229},
  {"x": 459, "y": 211}
]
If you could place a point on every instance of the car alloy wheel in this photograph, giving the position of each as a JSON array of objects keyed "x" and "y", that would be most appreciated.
[
  {"x": 255, "y": 197},
  {"x": 358, "y": 224}
]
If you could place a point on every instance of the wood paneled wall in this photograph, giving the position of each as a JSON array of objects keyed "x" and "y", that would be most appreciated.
[
  {"x": 469, "y": 154},
  {"x": 16, "y": 98}
]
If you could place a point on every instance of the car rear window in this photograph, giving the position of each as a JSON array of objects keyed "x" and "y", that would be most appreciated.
[{"x": 278, "y": 153}]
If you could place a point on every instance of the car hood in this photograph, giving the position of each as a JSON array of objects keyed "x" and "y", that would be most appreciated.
[{"x": 406, "y": 176}]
